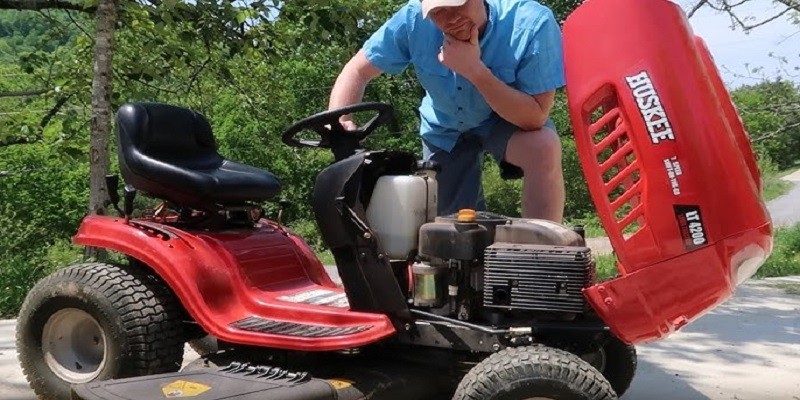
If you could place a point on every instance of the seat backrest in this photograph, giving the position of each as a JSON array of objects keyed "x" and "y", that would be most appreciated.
[
  {"x": 164, "y": 149},
  {"x": 166, "y": 133}
]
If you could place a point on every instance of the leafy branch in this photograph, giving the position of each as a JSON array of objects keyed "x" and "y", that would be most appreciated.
[
  {"x": 37, "y": 5},
  {"x": 746, "y": 23}
]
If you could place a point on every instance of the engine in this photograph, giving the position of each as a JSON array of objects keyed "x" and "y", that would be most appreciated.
[{"x": 486, "y": 266}]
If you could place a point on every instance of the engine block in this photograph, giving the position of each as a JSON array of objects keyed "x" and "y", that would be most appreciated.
[{"x": 537, "y": 277}]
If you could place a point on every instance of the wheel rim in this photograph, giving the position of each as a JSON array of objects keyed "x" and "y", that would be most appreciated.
[
  {"x": 596, "y": 359},
  {"x": 74, "y": 345}
]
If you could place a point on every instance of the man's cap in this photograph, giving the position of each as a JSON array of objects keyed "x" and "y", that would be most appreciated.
[{"x": 428, "y": 5}]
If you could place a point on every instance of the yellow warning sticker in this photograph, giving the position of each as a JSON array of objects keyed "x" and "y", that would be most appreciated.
[
  {"x": 184, "y": 389},
  {"x": 340, "y": 384}
]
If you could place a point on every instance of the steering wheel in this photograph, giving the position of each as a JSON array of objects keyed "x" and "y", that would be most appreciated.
[{"x": 327, "y": 125}]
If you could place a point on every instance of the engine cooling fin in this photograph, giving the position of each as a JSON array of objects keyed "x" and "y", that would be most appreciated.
[{"x": 537, "y": 277}]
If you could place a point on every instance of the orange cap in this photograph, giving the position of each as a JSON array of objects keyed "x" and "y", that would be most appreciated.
[{"x": 466, "y": 215}]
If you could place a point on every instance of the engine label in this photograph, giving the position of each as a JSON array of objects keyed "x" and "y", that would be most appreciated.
[
  {"x": 651, "y": 108},
  {"x": 690, "y": 224}
]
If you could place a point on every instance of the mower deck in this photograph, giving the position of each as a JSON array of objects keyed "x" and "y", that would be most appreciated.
[{"x": 243, "y": 381}]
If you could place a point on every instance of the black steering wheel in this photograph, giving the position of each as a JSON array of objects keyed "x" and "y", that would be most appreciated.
[{"x": 326, "y": 124}]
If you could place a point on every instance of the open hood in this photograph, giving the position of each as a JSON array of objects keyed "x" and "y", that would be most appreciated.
[{"x": 668, "y": 164}]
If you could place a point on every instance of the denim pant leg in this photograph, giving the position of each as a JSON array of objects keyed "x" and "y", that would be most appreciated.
[{"x": 460, "y": 179}]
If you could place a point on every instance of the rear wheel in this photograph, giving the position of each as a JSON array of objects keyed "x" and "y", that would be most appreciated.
[
  {"x": 536, "y": 372},
  {"x": 97, "y": 321}
]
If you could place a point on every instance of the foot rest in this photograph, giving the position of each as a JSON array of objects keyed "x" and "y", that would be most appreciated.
[{"x": 263, "y": 325}]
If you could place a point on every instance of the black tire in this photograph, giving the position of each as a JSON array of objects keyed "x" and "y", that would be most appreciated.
[
  {"x": 536, "y": 371},
  {"x": 620, "y": 365},
  {"x": 134, "y": 313}
]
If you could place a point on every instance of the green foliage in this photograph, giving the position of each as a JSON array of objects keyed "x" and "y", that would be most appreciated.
[
  {"x": 43, "y": 195},
  {"x": 562, "y": 8},
  {"x": 785, "y": 258},
  {"x": 771, "y": 113},
  {"x": 605, "y": 265},
  {"x": 773, "y": 185},
  {"x": 502, "y": 196},
  {"x": 27, "y": 31}
]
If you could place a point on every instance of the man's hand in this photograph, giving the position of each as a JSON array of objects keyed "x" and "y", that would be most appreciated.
[
  {"x": 464, "y": 58},
  {"x": 348, "y": 125}
]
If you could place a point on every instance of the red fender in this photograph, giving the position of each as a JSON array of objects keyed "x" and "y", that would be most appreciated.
[
  {"x": 668, "y": 164},
  {"x": 225, "y": 277}
]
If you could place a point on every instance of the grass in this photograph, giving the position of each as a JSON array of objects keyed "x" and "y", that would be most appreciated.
[
  {"x": 591, "y": 225},
  {"x": 326, "y": 257},
  {"x": 606, "y": 266},
  {"x": 775, "y": 187},
  {"x": 785, "y": 258}
]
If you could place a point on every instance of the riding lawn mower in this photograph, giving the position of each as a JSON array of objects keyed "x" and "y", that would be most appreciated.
[{"x": 475, "y": 303}]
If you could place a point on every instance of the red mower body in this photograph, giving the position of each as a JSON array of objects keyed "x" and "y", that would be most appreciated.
[
  {"x": 668, "y": 164},
  {"x": 261, "y": 286}
]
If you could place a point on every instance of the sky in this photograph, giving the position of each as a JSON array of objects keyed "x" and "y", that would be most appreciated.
[{"x": 733, "y": 49}]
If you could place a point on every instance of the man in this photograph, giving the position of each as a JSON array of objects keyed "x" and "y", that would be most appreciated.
[{"x": 490, "y": 69}]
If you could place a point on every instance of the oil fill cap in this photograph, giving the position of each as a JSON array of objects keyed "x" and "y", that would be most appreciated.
[{"x": 466, "y": 215}]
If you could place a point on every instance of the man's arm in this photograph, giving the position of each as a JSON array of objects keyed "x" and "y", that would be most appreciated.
[
  {"x": 350, "y": 85},
  {"x": 529, "y": 112}
]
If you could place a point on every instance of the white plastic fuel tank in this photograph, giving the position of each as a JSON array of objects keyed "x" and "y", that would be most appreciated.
[{"x": 400, "y": 204}]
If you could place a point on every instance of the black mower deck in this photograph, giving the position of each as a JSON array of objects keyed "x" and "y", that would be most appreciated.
[{"x": 242, "y": 381}]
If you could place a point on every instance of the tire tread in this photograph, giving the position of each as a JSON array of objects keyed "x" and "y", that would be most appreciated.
[{"x": 508, "y": 365}]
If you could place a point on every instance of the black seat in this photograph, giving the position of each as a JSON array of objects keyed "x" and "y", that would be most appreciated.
[{"x": 170, "y": 153}]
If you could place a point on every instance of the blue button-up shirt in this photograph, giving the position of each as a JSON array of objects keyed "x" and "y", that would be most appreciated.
[{"x": 521, "y": 45}]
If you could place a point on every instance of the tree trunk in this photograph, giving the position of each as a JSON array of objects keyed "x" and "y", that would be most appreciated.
[
  {"x": 101, "y": 105},
  {"x": 101, "y": 111}
]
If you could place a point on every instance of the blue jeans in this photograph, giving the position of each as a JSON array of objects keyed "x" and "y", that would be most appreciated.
[{"x": 460, "y": 179}]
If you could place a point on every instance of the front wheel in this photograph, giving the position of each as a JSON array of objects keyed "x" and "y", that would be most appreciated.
[
  {"x": 536, "y": 372},
  {"x": 97, "y": 321},
  {"x": 617, "y": 361}
]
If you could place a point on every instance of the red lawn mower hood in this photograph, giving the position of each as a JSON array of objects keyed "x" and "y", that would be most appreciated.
[{"x": 668, "y": 164}]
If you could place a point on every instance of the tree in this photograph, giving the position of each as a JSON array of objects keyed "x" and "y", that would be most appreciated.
[
  {"x": 747, "y": 22},
  {"x": 101, "y": 105},
  {"x": 770, "y": 111},
  {"x": 106, "y": 15},
  {"x": 771, "y": 108}
]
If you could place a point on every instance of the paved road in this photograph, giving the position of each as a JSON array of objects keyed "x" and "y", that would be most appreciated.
[
  {"x": 748, "y": 348},
  {"x": 785, "y": 210}
]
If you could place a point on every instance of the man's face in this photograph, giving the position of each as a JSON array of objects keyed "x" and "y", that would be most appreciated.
[{"x": 455, "y": 21}]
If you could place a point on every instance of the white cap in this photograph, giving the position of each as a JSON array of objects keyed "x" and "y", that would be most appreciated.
[{"x": 428, "y": 5}]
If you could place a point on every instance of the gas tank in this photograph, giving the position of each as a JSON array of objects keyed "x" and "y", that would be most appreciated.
[{"x": 668, "y": 164}]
